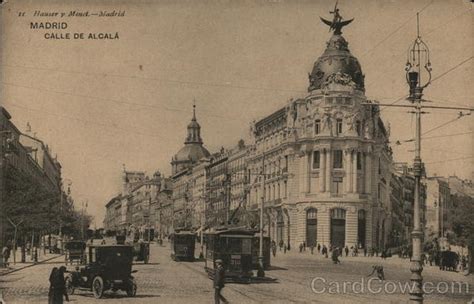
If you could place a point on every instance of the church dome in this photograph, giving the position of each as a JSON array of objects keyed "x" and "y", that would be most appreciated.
[
  {"x": 336, "y": 63},
  {"x": 193, "y": 149},
  {"x": 191, "y": 153}
]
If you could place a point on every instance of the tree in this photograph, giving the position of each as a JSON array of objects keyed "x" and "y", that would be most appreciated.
[{"x": 462, "y": 224}]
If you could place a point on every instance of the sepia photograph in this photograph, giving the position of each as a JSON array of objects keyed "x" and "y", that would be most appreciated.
[{"x": 236, "y": 151}]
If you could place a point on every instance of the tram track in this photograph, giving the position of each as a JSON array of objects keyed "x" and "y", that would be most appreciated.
[{"x": 253, "y": 288}]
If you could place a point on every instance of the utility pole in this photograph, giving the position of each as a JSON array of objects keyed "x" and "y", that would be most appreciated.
[
  {"x": 418, "y": 65},
  {"x": 261, "y": 271}
]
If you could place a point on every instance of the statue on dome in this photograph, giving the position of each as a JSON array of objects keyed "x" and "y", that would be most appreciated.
[{"x": 336, "y": 24}]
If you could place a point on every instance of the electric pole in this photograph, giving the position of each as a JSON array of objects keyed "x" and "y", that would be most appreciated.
[
  {"x": 418, "y": 75},
  {"x": 261, "y": 271}
]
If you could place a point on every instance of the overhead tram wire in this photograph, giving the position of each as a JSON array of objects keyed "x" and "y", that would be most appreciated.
[
  {"x": 434, "y": 79},
  {"x": 185, "y": 82},
  {"x": 112, "y": 100},
  {"x": 451, "y": 69},
  {"x": 449, "y": 160},
  {"x": 83, "y": 120},
  {"x": 396, "y": 30}
]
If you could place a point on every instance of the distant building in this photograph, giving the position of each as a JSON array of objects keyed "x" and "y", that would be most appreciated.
[{"x": 438, "y": 207}]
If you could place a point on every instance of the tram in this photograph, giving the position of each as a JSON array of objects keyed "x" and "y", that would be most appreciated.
[
  {"x": 234, "y": 247},
  {"x": 182, "y": 246}
]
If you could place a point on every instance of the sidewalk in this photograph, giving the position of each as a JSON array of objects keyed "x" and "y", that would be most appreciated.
[{"x": 12, "y": 267}]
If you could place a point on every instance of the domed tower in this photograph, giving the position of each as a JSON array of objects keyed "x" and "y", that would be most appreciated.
[
  {"x": 336, "y": 63},
  {"x": 193, "y": 149}
]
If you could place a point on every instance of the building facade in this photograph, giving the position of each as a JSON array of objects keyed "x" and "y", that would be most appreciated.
[
  {"x": 321, "y": 163},
  {"x": 438, "y": 208}
]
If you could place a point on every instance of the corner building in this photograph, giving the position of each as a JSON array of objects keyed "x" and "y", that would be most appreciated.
[{"x": 321, "y": 163}]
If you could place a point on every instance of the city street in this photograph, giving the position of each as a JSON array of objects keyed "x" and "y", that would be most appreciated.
[{"x": 166, "y": 281}]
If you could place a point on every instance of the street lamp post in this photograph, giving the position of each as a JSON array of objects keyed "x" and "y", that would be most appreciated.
[
  {"x": 418, "y": 65},
  {"x": 261, "y": 271}
]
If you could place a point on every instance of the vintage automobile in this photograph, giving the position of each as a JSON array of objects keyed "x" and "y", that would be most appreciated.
[
  {"x": 75, "y": 251},
  {"x": 141, "y": 251},
  {"x": 109, "y": 267},
  {"x": 256, "y": 251},
  {"x": 182, "y": 246},
  {"x": 234, "y": 247}
]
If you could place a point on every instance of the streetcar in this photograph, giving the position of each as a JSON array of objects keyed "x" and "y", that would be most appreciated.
[
  {"x": 234, "y": 247},
  {"x": 182, "y": 246}
]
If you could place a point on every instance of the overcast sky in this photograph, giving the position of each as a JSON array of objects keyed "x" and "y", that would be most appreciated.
[{"x": 100, "y": 104}]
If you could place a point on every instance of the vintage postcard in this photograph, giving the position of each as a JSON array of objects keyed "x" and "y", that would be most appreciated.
[{"x": 236, "y": 151}]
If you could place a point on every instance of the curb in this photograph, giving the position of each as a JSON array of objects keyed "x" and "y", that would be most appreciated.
[{"x": 29, "y": 265}]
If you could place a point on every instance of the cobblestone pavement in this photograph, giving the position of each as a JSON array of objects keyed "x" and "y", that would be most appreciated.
[{"x": 165, "y": 281}]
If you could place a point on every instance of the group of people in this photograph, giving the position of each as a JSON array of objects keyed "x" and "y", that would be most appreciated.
[{"x": 57, "y": 286}]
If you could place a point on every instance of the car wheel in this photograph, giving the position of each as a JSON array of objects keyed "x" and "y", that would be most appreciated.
[
  {"x": 98, "y": 287},
  {"x": 131, "y": 288},
  {"x": 69, "y": 286}
]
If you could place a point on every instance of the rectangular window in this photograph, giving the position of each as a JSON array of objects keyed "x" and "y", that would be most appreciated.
[
  {"x": 316, "y": 159},
  {"x": 337, "y": 162},
  {"x": 339, "y": 126},
  {"x": 337, "y": 185},
  {"x": 317, "y": 126},
  {"x": 359, "y": 161}
]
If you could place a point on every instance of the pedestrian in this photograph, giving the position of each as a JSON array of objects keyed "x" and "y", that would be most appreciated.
[
  {"x": 312, "y": 248},
  {"x": 324, "y": 251},
  {"x": 379, "y": 270},
  {"x": 346, "y": 250},
  {"x": 274, "y": 250},
  {"x": 335, "y": 256},
  {"x": 304, "y": 246},
  {"x": 52, "y": 279},
  {"x": 6, "y": 255},
  {"x": 219, "y": 277},
  {"x": 301, "y": 247},
  {"x": 284, "y": 249},
  {"x": 281, "y": 245},
  {"x": 59, "y": 286},
  {"x": 365, "y": 251},
  {"x": 319, "y": 248}
]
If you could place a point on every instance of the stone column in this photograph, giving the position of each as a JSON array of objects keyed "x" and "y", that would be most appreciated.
[
  {"x": 354, "y": 180},
  {"x": 328, "y": 169},
  {"x": 308, "y": 172},
  {"x": 301, "y": 172},
  {"x": 368, "y": 173},
  {"x": 322, "y": 171},
  {"x": 351, "y": 227},
  {"x": 348, "y": 170}
]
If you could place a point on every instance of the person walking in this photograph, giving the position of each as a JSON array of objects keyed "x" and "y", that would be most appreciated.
[
  {"x": 52, "y": 280},
  {"x": 335, "y": 256},
  {"x": 346, "y": 250},
  {"x": 379, "y": 270},
  {"x": 219, "y": 277},
  {"x": 365, "y": 251},
  {"x": 284, "y": 249},
  {"x": 304, "y": 246},
  {"x": 59, "y": 286},
  {"x": 312, "y": 248},
  {"x": 274, "y": 249},
  {"x": 6, "y": 255},
  {"x": 301, "y": 247},
  {"x": 319, "y": 248},
  {"x": 281, "y": 245}
]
